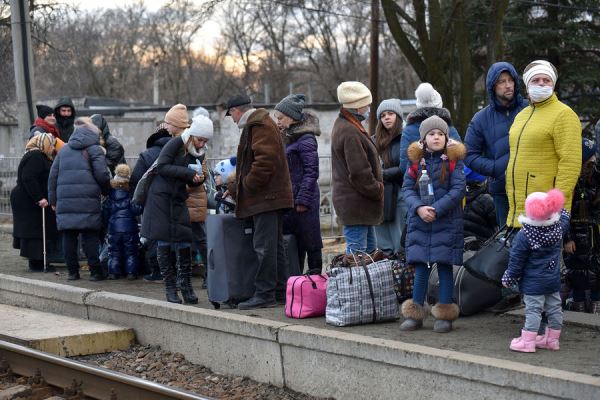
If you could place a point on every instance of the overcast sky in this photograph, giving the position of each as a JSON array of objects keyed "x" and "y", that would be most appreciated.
[{"x": 205, "y": 38}]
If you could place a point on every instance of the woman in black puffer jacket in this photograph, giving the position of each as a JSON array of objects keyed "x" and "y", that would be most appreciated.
[{"x": 166, "y": 218}]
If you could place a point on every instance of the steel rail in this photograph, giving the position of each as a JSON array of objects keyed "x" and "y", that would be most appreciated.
[{"x": 98, "y": 382}]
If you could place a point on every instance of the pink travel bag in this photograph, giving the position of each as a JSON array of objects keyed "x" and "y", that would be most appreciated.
[{"x": 306, "y": 296}]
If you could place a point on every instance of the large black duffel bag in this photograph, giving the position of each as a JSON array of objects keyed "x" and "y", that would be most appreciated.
[{"x": 470, "y": 293}]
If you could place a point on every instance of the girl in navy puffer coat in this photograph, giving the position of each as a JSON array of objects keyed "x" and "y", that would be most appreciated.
[
  {"x": 120, "y": 214},
  {"x": 435, "y": 232},
  {"x": 535, "y": 266}
]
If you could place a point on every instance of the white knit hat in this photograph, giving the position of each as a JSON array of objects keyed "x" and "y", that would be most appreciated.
[
  {"x": 201, "y": 127},
  {"x": 540, "y": 67},
  {"x": 427, "y": 96},
  {"x": 354, "y": 94}
]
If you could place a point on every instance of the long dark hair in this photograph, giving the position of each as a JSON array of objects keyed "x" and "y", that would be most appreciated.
[{"x": 384, "y": 137}]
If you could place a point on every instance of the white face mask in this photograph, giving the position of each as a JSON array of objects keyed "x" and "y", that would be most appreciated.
[{"x": 539, "y": 93}]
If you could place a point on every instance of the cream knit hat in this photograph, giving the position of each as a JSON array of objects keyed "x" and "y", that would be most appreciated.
[
  {"x": 427, "y": 96},
  {"x": 353, "y": 94},
  {"x": 178, "y": 116}
]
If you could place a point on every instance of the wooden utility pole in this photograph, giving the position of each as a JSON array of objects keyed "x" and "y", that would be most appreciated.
[
  {"x": 374, "y": 65},
  {"x": 23, "y": 63}
]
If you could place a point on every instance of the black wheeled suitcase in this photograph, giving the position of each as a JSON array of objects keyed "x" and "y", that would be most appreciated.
[{"x": 232, "y": 262}]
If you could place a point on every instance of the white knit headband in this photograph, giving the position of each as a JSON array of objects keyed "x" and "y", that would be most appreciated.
[{"x": 542, "y": 68}]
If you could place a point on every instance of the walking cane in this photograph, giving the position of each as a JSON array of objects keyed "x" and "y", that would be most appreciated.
[{"x": 44, "y": 235}]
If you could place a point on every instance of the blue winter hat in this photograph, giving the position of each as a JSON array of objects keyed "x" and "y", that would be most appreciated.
[
  {"x": 390, "y": 105},
  {"x": 588, "y": 149},
  {"x": 472, "y": 176}
]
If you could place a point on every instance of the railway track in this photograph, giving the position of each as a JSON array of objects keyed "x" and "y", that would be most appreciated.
[{"x": 91, "y": 382}]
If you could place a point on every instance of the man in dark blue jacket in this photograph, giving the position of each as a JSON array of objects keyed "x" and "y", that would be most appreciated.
[{"x": 487, "y": 134}]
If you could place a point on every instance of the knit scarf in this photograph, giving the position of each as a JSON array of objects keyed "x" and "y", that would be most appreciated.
[
  {"x": 352, "y": 119},
  {"x": 47, "y": 127}
]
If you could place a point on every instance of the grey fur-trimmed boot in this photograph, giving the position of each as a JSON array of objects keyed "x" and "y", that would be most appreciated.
[
  {"x": 444, "y": 314},
  {"x": 414, "y": 315}
]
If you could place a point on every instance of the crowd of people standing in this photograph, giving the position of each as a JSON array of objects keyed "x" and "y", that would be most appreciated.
[{"x": 74, "y": 172}]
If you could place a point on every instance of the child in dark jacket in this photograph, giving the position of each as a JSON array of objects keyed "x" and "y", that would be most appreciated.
[
  {"x": 535, "y": 266},
  {"x": 123, "y": 237},
  {"x": 581, "y": 245},
  {"x": 434, "y": 231}
]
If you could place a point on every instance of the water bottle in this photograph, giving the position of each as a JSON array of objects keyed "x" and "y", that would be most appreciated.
[{"x": 426, "y": 188}]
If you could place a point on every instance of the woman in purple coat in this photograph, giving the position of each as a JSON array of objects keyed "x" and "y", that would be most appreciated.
[{"x": 300, "y": 130}]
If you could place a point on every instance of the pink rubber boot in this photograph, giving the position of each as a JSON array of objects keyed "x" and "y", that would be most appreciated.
[
  {"x": 549, "y": 340},
  {"x": 525, "y": 343}
]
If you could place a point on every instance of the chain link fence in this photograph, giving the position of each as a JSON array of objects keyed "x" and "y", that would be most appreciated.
[{"x": 329, "y": 226}]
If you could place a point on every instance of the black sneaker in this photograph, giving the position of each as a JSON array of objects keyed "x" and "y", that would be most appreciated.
[
  {"x": 256, "y": 302},
  {"x": 73, "y": 276},
  {"x": 112, "y": 277},
  {"x": 97, "y": 277},
  {"x": 131, "y": 277},
  {"x": 154, "y": 277}
]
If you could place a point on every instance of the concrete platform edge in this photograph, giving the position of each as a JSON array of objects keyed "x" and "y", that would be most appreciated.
[{"x": 314, "y": 361}]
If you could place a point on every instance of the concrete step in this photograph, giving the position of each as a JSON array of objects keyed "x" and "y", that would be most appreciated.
[{"x": 61, "y": 335}]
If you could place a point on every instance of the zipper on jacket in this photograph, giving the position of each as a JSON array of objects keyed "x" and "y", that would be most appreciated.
[{"x": 515, "y": 163}]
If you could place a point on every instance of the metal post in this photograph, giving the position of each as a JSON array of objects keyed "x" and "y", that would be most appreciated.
[
  {"x": 374, "y": 65},
  {"x": 267, "y": 99},
  {"x": 155, "y": 96},
  {"x": 310, "y": 93},
  {"x": 291, "y": 86},
  {"x": 23, "y": 57}
]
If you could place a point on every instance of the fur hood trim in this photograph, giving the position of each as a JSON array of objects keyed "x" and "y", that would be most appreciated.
[
  {"x": 456, "y": 151},
  {"x": 308, "y": 125},
  {"x": 412, "y": 310},
  {"x": 445, "y": 312},
  {"x": 421, "y": 114}
]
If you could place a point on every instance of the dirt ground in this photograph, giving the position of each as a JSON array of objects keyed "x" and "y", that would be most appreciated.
[{"x": 483, "y": 334}]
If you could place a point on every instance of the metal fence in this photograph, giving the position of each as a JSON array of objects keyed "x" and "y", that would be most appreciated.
[{"x": 329, "y": 226}]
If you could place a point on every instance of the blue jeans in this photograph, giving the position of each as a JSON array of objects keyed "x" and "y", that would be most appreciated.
[
  {"x": 422, "y": 280},
  {"x": 388, "y": 234},
  {"x": 501, "y": 206},
  {"x": 359, "y": 238},
  {"x": 551, "y": 304}
]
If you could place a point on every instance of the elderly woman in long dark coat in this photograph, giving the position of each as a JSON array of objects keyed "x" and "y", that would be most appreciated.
[
  {"x": 28, "y": 199},
  {"x": 300, "y": 130},
  {"x": 166, "y": 218}
]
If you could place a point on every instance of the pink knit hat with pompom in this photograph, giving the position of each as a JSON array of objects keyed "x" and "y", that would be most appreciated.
[{"x": 543, "y": 208}]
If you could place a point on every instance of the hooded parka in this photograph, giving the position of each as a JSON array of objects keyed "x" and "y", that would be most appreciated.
[
  {"x": 78, "y": 177},
  {"x": 442, "y": 240},
  {"x": 487, "y": 134},
  {"x": 65, "y": 125}
]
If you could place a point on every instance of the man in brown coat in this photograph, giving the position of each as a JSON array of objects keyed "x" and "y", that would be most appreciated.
[
  {"x": 357, "y": 177},
  {"x": 263, "y": 192}
]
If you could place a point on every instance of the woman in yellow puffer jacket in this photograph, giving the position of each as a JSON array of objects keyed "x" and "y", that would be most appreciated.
[{"x": 545, "y": 143}]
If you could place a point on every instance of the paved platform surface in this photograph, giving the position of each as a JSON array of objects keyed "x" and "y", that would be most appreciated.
[
  {"x": 60, "y": 335},
  {"x": 484, "y": 334}
]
